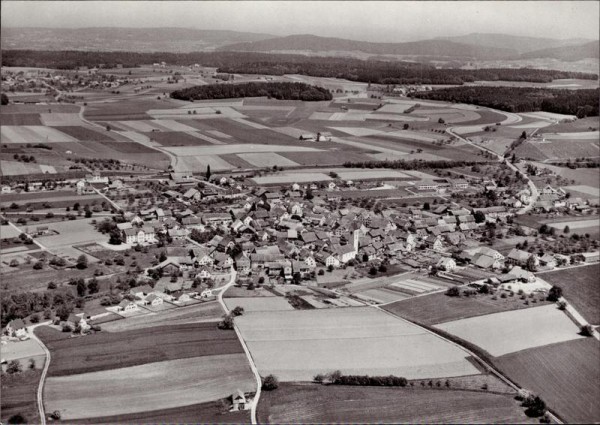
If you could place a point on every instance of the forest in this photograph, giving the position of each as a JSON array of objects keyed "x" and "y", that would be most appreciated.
[
  {"x": 582, "y": 103},
  {"x": 368, "y": 71},
  {"x": 280, "y": 91}
]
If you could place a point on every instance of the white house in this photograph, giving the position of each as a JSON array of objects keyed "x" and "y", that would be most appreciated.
[
  {"x": 16, "y": 328},
  {"x": 154, "y": 300},
  {"x": 127, "y": 306},
  {"x": 447, "y": 264},
  {"x": 139, "y": 235}
]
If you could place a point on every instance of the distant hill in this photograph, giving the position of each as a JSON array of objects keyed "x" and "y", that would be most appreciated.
[
  {"x": 567, "y": 53},
  {"x": 519, "y": 43},
  {"x": 122, "y": 39},
  {"x": 313, "y": 43}
]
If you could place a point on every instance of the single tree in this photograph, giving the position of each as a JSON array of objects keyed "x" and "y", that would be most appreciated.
[
  {"x": 82, "y": 262},
  {"x": 3, "y": 99},
  {"x": 554, "y": 293},
  {"x": 270, "y": 383},
  {"x": 14, "y": 366},
  {"x": 208, "y": 172}
]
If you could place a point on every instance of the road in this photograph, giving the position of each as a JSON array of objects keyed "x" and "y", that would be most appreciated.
[
  {"x": 40, "y": 390},
  {"x": 488, "y": 366},
  {"x": 248, "y": 355},
  {"x": 118, "y": 208},
  {"x": 534, "y": 192}
]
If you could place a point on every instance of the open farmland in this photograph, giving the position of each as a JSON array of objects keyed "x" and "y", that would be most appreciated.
[
  {"x": 296, "y": 345},
  {"x": 503, "y": 333},
  {"x": 179, "y": 138},
  {"x": 19, "y": 395},
  {"x": 33, "y": 134},
  {"x": 565, "y": 375},
  {"x": 580, "y": 288},
  {"x": 438, "y": 308},
  {"x": 86, "y": 134},
  {"x": 148, "y": 387},
  {"x": 20, "y": 119},
  {"x": 197, "y": 313},
  {"x": 297, "y": 403},
  {"x": 259, "y": 304},
  {"x": 267, "y": 159},
  {"x": 207, "y": 413},
  {"x": 104, "y": 350}
]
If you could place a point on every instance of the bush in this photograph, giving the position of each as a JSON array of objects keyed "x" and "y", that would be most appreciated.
[
  {"x": 237, "y": 311},
  {"x": 453, "y": 291},
  {"x": 17, "y": 419},
  {"x": 55, "y": 415},
  {"x": 587, "y": 330},
  {"x": 554, "y": 293},
  {"x": 14, "y": 366},
  {"x": 270, "y": 383},
  {"x": 536, "y": 407},
  {"x": 226, "y": 323},
  {"x": 319, "y": 378}
]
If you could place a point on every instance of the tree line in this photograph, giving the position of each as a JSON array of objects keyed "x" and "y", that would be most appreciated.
[
  {"x": 415, "y": 164},
  {"x": 581, "y": 103},
  {"x": 369, "y": 71},
  {"x": 281, "y": 91}
]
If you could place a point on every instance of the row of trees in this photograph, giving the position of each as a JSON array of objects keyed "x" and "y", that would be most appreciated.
[
  {"x": 282, "y": 91},
  {"x": 381, "y": 72},
  {"x": 582, "y": 103},
  {"x": 415, "y": 164}
]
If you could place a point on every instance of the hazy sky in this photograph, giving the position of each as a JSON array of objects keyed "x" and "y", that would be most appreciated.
[{"x": 390, "y": 21}]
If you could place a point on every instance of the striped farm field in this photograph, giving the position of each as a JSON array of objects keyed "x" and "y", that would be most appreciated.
[
  {"x": 283, "y": 178},
  {"x": 565, "y": 375},
  {"x": 148, "y": 387},
  {"x": 200, "y": 162},
  {"x": 57, "y": 119},
  {"x": 296, "y": 345},
  {"x": 267, "y": 159},
  {"x": 33, "y": 134},
  {"x": 14, "y": 168},
  {"x": 20, "y": 119},
  {"x": 259, "y": 304},
  {"x": 507, "y": 332},
  {"x": 104, "y": 351},
  {"x": 235, "y": 148},
  {"x": 301, "y": 403}
]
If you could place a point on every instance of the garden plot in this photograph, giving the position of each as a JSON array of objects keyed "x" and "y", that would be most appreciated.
[
  {"x": 382, "y": 295},
  {"x": 58, "y": 119},
  {"x": 284, "y": 178},
  {"x": 507, "y": 332},
  {"x": 33, "y": 134},
  {"x": 296, "y": 345},
  {"x": 259, "y": 304},
  {"x": 235, "y": 148},
  {"x": 415, "y": 286},
  {"x": 267, "y": 159},
  {"x": 148, "y": 387}
]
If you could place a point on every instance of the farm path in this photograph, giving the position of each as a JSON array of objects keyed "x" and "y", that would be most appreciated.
[
  {"x": 487, "y": 365},
  {"x": 40, "y": 390},
  {"x": 10, "y": 223},
  {"x": 118, "y": 208},
  {"x": 576, "y": 317},
  {"x": 244, "y": 346}
]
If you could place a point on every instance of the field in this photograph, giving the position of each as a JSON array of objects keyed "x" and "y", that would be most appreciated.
[
  {"x": 148, "y": 387},
  {"x": 580, "y": 288},
  {"x": 565, "y": 375},
  {"x": 582, "y": 176},
  {"x": 86, "y": 134},
  {"x": 259, "y": 304},
  {"x": 33, "y": 134},
  {"x": 298, "y": 403},
  {"x": 104, "y": 350},
  {"x": 207, "y": 413},
  {"x": 19, "y": 395},
  {"x": 267, "y": 159},
  {"x": 503, "y": 333},
  {"x": 197, "y": 313},
  {"x": 438, "y": 308},
  {"x": 179, "y": 138},
  {"x": 296, "y": 345}
]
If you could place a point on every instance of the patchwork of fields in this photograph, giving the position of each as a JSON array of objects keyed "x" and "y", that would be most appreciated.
[{"x": 296, "y": 345}]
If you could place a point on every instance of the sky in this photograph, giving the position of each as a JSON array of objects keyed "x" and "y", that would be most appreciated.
[{"x": 383, "y": 21}]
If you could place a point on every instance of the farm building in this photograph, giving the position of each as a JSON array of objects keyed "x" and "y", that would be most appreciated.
[
  {"x": 141, "y": 235},
  {"x": 591, "y": 257},
  {"x": 238, "y": 401},
  {"x": 16, "y": 328}
]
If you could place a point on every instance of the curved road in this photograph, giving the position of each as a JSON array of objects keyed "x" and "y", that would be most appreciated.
[
  {"x": 40, "y": 390},
  {"x": 248, "y": 355}
]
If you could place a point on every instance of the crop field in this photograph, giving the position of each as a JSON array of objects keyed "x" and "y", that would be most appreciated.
[
  {"x": 85, "y": 134},
  {"x": 332, "y": 157},
  {"x": 564, "y": 149},
  {"x": 580, "y": 288},
  {"x": 33, "y": 134},
  {"x": 206, "y": 413},
  {"x": 296, "y": 345},
  {"x": 285, "y": 177},
  {"x": 259, "y": 304},
  {"x": 584, "y": 189},
  {"x": 58, "y": 119},
  {"x": 178, "y": 138},
  {"x": 575, "y": 224},
  {"x": 38, "y": 109},
  {"x": 19, "y": 395},
  {"x": 577, "y": 126},
  {"x": 148, "y": 387},
  {"x": 131, "y": 109},
  {"x": 382, "y": 295},
  {"x": 104, "y": 350},
  {"x": 14, "y": 168},
  {"x": 373, "y": 174},
  {"x": 41, "y": 197},
  {"x": 70, "y": 233},
  {"x": 565, "y": 375},
  {"x": 438, "y": 308},
  {"x": 20, "y": 119},
  {"x": 235, "y": 148},
  {"x": 201, "y": 162},
  {"x": 267, "y": 159},
  {"x": 297, "y": 403},
  {"x": 506, "y": 332},
  {"x": 550, "y": 116},
  {"x": 21, "y": 350},
  {"x": 197, "y": 313}
]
